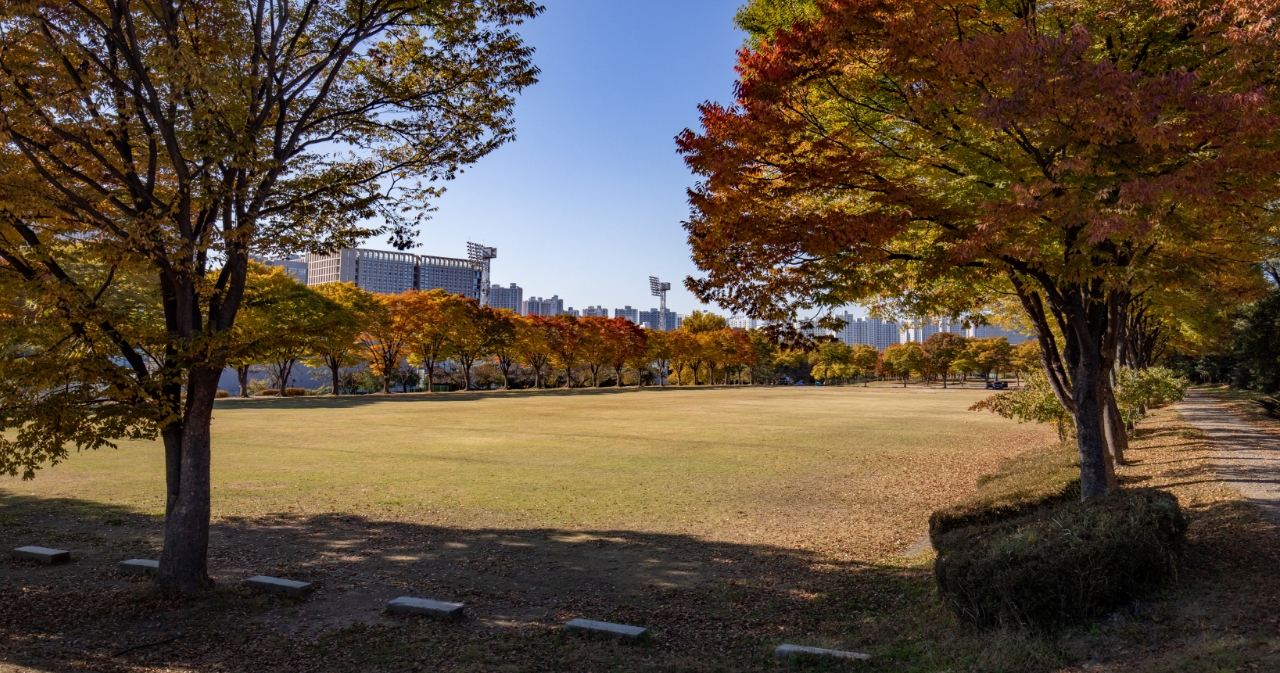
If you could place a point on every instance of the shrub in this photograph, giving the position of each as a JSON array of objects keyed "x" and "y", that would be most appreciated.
[
  {"x": 295, "y": 392},
  {"x": 1033, "y": 402},
  {"x": 1019, "y": 486},
  {"x": 1061, "y": 564},
  {"x": 267, "y": 392},
  {"x": 222, "y": 394},
  {"x": 1142, "y": 389}
]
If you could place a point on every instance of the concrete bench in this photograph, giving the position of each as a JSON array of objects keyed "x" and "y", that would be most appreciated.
[
  {"x": 42, "y": 554},
  {"x": 280, "y": 586},
  {"x": 139, "y": 566},
  {"x": 788, "y": 651},
  {"x": 406, "y": 605},
  {"x": 606, "y": 628}
]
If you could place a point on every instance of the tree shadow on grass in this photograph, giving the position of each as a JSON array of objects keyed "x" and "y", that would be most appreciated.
[
  {"x": 705, "y": 602},
  {"x": 710, "y": 605}
]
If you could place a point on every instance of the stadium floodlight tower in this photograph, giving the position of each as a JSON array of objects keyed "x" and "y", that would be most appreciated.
[
  {"x": 480, "y": 256},
  {"x": 659, "y": 289}
]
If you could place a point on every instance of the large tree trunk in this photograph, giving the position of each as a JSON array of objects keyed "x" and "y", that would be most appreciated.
[
  {"x": 172, "y": 436},
  {"x": 184, "y": 559},
  {"x": 1095, "y": 476},
  {"x": 1076, "y": 373},
  {"x": 1113, "y": 423},
  {"x": 242, "y": 376},
  {"x": 334, "y": 370}
]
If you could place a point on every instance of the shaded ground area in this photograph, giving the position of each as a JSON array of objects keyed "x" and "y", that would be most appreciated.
[
  {"x": 713, "y": 604},
  {"x": 1247, "y": 458},
  {"x": 708, "y": 604}
]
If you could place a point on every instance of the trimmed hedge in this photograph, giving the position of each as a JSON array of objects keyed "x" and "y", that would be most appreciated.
[
  {"x": 222, "y": 394},
  {"x": 269, "y": 392},
  {"x": 1019, "y": 486},
  {"x": 1062, "y": 564},
  {"x": 295, "y": 392}
]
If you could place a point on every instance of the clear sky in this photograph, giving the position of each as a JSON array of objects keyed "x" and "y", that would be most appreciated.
[{"x": 587, "y": 202}]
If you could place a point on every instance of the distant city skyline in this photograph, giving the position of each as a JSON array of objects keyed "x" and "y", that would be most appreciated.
[{"x": 594, "y": 165}]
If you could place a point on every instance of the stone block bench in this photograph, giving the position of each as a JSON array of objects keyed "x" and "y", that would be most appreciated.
[
  {"x": 43, "y": 554},
  {"x": 139, "y": 566},
  {"x": 407, "y": 605},
  {"x": 277, "y": 585},
  {"x": 606, "y": 629},
  {"x": 802, "y": 652}
]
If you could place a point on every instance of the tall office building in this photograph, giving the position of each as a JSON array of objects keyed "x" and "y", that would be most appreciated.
[
  {"x": 510, "y": 298},
  {"x": 629, "y": 313},
  {"x": 595, "y": 311},
  {"x": 394, "y": 272},
  {"x": 456, "y": 276}
]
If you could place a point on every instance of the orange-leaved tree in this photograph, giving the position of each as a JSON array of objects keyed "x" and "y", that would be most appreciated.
[
  {"x": 156, "y": 144},
  {"x": 564, "y": 341},
  {"x": 595, "y": 345},
  {"x": 425, "y": 319},
  {"x": 628, "y": 345},
  {"x": 384, "y": 336}
]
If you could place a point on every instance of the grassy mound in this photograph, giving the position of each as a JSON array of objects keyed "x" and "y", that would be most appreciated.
[
  {"x": 1064, "y": 563},
  {"x": 1019, "y": 487}
]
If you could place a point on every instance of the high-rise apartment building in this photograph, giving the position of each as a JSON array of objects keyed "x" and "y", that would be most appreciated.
[
  {"x": 595, "y": 311},
  {"x": 388, "y": 272},
  {"x": 989, "y": 331},
  {"x": 651, "y": 319},
  {"x": 510, "y": 298},
  {"x": 872, "y": 331},
  {"x": 629, "y": 313},
  {"x": 549, "y": 306},
  {"x": 743, "y": 322}
]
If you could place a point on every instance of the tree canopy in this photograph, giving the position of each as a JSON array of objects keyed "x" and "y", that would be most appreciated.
[
  {"x": 1072, "y": 154},
  {"x": 154, "y": 146}
]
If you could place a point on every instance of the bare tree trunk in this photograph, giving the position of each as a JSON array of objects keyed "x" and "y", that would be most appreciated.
[
  {"x": 172, "y": 436},
  {"x": 184, "y": 559},
  {"x": 1097, "y": 475},
  {"x": 242, "y": 375},
  {"x": 335, "y": 370},
  {"x": 1117, "y": 436}
]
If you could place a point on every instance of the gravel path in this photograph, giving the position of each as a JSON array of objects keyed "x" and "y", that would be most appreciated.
[{"x": 1248, "y": 459}]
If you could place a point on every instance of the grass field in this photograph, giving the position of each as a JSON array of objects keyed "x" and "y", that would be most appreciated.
[
  {"x": 725, "y": 520},
  {"x": 841, "y": 470}
]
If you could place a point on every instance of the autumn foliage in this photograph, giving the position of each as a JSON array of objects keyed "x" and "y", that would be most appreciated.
[{"x": 931, "y": 156}]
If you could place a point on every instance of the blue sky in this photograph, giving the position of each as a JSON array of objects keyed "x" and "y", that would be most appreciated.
[{"x": 587, "y": 202}]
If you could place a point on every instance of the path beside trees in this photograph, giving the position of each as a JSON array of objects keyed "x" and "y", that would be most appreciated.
[{"x": 1247, "y": 458}]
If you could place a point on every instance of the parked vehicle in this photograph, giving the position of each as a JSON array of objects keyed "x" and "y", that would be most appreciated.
[{"x": 996, "y": 385}]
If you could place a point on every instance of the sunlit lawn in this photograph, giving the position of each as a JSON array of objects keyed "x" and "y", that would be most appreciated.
[{"x": 844, "y": 469}]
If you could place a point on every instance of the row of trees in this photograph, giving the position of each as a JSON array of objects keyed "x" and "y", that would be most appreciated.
[{"x": 338, "y": 326}]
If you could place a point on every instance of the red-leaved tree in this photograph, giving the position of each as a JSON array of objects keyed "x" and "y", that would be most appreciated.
[{"x": 1072, "y": 153}]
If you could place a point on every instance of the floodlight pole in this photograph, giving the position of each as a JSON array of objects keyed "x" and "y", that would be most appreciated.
[
  {"x": 480, "y": 256},
  {"x": 659, "y": 289}
]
